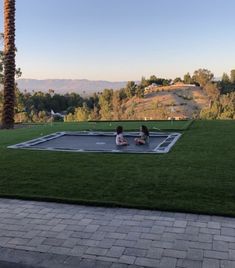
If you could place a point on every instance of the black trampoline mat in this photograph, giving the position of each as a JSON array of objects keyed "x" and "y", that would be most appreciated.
[{"x": 100, "y": 142}]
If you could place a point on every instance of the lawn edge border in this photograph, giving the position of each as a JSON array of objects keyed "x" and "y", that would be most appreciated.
[{"x": 111, "y": 204}]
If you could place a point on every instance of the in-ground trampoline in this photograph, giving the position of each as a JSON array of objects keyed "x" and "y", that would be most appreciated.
[{"x": 99, "y": 142}]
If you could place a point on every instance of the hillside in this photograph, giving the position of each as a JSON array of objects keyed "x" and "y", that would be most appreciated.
[
  {"x": 176, "y": 101},
  {"x": 63, "y": 86}
]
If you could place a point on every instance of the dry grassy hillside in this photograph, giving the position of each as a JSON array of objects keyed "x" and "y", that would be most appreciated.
[{"x": 177, "y": 101}]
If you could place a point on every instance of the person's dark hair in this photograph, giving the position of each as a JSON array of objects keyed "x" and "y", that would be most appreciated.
[
  {"x": 119, "y": 129},
  {"x": 145, "y": 130}
]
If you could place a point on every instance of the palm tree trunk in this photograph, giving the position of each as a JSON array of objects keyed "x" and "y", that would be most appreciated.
[{"x": 9, "y": 64}]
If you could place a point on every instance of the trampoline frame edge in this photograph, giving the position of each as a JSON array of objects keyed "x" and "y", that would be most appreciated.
[{"x": 159, "y": 149}]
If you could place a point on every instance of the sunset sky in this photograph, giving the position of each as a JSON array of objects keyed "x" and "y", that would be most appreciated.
[{"x": 120, "y": 40}]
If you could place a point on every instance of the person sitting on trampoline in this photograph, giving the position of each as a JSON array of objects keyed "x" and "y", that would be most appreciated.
[
  {"x": 120, "y": 140},
  {"x": 144, "y": 136}
]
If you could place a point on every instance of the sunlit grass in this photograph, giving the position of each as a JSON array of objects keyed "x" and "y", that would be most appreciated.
[{"x": 196, "y": 176}]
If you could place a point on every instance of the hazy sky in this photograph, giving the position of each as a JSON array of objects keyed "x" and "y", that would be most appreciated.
[{"x": 123, "y": 39}]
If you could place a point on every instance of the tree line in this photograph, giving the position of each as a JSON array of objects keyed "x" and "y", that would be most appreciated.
[
  {"x": 37, "y": 106},
  {"x": 110, "y": 104}
]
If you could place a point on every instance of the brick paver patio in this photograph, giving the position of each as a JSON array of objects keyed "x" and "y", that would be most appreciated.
[{"x": 41, "y": 234}]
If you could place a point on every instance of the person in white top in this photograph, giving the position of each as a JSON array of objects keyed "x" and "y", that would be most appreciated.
[{"x": 120, "y": 140}]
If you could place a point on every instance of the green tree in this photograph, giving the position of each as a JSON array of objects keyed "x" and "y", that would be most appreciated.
[
  {"x": 158, "y": 81},
  {"x": 21, "y": 117},
  {"x": 187, "y": 78},
  {"x": 105, "y": 103},
  {"x": 153, "y": 79},
  {"x": 94, "y": 115},
  {"x": 122, "y": 94},
  {"x": 19, "y": 103},
  {"x": 222, "y": 108},
  {"x": 42, "y": 116},
  {"x": 225, "y": 79},
  {"x": 69, "y": 118},
  {"x": 225, "y": 84},
  {"x": 130, "y": 89},
  {"x": 232, "y": 76},
  {"x": 140, "y": 91},
  {"x": 211, "y": 112},
  {"x": 144, "y": 83},
  {"x": 116, "y": 104},
  {"x": 202, "y": 76},
  {"x": 212, "y": 90},
  {"x": 177, "y": 79},
  {"x": 9, "y": 64},
  {"x": 228, "y": 106},
  {"x": 166, "y": 82},
  {"x": 82, "y": 113}
]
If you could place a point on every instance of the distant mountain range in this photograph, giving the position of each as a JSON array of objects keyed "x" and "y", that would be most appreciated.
[{"x": 62, "y": 86}]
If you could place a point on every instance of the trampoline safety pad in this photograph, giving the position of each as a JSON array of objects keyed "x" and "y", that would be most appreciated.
[{"x": 87, "y": 141}]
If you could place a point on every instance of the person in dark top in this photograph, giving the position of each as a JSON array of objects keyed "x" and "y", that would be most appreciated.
[{"x": 144, "y": 136}]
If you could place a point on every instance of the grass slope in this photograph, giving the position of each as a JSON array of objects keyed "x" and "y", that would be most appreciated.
[
  {"x": 198, "y": 175},
  {"x": 128, "y": 125}
]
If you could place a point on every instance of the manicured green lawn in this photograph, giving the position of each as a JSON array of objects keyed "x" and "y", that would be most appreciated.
[
  {"x": 198, "y": 175},
  {"x": 153, "y": 125}
]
